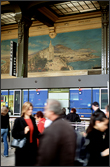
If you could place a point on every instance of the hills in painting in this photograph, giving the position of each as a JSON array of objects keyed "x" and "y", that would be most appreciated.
[
  {"x": 56, "y": 58},
  {"x": 67, "y": 51}
]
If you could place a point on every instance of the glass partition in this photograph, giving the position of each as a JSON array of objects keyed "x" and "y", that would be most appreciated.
[
  {"x": 62, "y": 95},
  {"x": 104, "y": 98},
  {"x": 81, "y": 100},
  {"x": 4, "y": 98},
  {"x": 11, "y": 101},
  {"x": 17, "y": 102},
  {"x": 38, "y": 98}
]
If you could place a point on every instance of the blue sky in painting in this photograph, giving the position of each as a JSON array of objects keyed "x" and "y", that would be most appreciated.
[{"x": 86, "y": 39}]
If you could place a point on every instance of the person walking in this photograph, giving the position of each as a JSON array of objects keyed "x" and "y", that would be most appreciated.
[
  {"x": 95, "y": 107},
  {"x": 57, "y": 143},
  {"x": 9, "y": 124},
  {"x": 105, "y": 153},
  {"x": 25, "y": 126},
  {"x": 95, "y": 131},
  {"x": 72, "y": 116},
  {"x": 4, "y": 129}
]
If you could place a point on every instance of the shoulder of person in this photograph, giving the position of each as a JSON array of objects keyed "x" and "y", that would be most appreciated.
[
  {"x": 77, "y": 115},
  {"x": 19, "y": 119},
  {"x": 32, "y": 118}
]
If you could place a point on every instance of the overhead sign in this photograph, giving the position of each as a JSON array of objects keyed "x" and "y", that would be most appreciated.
[{"x": 13, "y": 46}]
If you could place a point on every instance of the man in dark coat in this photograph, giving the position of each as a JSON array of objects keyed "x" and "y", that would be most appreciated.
[
  {"x": 57, "y": 142},
  {"x": 95, "y": 107}
]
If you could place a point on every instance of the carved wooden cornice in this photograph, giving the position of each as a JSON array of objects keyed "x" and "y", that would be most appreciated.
[
  {"x": 5, "y": 2},
  {"x": 48, "y": 13},
  {"x": 66, "y": 24}
]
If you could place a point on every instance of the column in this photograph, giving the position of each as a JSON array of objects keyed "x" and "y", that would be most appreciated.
[
  {"x": 23, "y": 34},
  {"x": 105, "y": 36}
]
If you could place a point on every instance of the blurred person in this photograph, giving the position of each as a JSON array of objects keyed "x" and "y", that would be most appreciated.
[
  {"x": 40, "y": 122},
  {"x": 63, "y": 113},
  {"x": 25, "y": 126},
  {"x": 105, "y": 153},
  {"x": 95, "y": 131},
  {"x": 57, "y": 142},
  {"x": 8, "y": 112},
  {"x": 4, "y": 128},
  {"x": 47, "y": 123},
  {"x": 107, "y": 111},
  {"x": 95, "y": 107},
  {"x": 72, "y": 116}
]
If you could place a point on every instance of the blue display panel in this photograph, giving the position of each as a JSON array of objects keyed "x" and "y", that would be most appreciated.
[
  {"x": 95, "y": 96},
  {"x": 84, "y": 113},
  {"x": 11, "y": 92},
  {"x": 4, "y": 92},
  {"x": 81, "y": 100},
  {"x": 38, "y": 99},
  {"x": 38, "y": 109},
  {"x": 4, "y": 97},
  {"x": 25, "y": 96}
]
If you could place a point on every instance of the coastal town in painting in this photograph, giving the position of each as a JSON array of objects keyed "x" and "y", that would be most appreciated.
[{"x": 77, "y": 50}]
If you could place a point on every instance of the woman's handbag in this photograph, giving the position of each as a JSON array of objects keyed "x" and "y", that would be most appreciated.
[{"x": 18, "y": 143}]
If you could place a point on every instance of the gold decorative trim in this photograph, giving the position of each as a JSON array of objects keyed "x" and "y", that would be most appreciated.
[
  {"x": 66, "y": 24},
  {"x": 52, "y": 33}
]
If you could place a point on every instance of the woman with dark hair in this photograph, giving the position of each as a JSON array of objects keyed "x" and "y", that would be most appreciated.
[
  {"x": 98, "y": 124},
  {"x": 40, "y": 121},
  {"x": 25, "y": 126},
  {"x": 72, "y": 116}
]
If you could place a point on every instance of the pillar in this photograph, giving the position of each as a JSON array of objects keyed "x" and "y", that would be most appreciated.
[
  {"x": 105, "y": 36},
  {"x": 23, "y": 34}
]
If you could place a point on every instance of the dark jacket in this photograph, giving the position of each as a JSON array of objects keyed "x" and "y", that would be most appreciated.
[
  {"x": 95, "y": 147},
  {"x": 57, "y": 145},
  {"x": 25, "y": 156},
  {"x": 98, "y": 110},
  {"x": 73, "y": 117},
  {"x": 5, "y": 121},
  {"x": 106, "y": 145}
]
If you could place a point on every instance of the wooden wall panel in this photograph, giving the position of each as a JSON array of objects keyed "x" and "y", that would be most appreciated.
[{"x": 66, "y": 24}]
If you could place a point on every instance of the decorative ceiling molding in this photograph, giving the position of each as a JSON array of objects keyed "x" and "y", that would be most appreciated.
[
  {"x": 48, "y": 13},
  {"x": 52, "y": 33},
  {"x": 41, "y": 29},
  {"x": 5, "y": 2}
]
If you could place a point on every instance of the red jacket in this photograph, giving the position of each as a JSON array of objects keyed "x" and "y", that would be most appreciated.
[{"x": 41, "y": 125}]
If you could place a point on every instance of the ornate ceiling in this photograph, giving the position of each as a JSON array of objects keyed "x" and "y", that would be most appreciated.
[{"x": 47, "y": 12}]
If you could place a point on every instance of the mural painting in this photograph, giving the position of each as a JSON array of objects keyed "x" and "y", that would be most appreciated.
[{"x": 67, "y": 51}]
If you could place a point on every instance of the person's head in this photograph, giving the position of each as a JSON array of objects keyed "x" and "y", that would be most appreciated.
[
  {"x": 27, "y": 109},
  {"x": 95, "y": 105},
  {"x": 73, "y": 110},
  {"x": 98, "y": 121},
  {"x": 52, "y": 109},
  {"x": 63, "y": 110},
  {"x": 107, "y": 111},
  {"x": 4, "y": 110},
  {"x": 39, "y": 115},
  {"x": 7, "y": 108}
]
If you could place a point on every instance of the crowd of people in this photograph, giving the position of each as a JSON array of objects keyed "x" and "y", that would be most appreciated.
[{"x": 52, "y": 141}]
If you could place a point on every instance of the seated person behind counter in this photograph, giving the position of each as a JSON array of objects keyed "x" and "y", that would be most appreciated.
[{"x": 72, "y": 116}]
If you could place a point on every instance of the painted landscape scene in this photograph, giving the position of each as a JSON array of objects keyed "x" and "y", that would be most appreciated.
[{"x": 78, "y": 50}]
